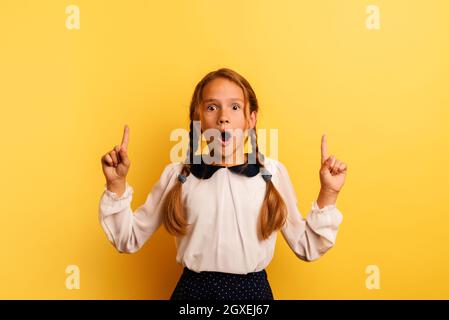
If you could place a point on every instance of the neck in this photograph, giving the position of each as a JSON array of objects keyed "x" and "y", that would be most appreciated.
[{"x": 231, "y": 161}]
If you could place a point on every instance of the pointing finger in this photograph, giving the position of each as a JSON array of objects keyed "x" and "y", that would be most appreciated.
[
  {"x": 332, "y": 160},
  {"x": 125, "y": 138},
  {"x": 124, "y": 157},
  {"x": 117, "y": 152},
  {"x": 323, "y": 148}
]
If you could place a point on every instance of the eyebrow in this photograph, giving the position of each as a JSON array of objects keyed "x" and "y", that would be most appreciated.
[{"x": 231, "y": 99}]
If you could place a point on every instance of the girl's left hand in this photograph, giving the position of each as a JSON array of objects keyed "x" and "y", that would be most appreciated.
[{"x": 333, "y": 171}]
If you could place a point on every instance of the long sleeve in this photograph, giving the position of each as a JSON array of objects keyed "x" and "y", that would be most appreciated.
[
  {"x": 128, "y": 230},
  {"x": 313, "y": 236}
]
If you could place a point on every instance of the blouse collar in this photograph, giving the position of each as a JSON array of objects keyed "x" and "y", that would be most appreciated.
[{"x": 205, "y": 171}]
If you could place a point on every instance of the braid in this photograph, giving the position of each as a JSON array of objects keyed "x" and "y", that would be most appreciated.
[
  {"x": 252, "y": 157},
  {"x": 174, "y": 217},
  {"x": 193, "y": 144},
  {"x": 273, "y": 213},
  {"x": 255, "y": 155}
]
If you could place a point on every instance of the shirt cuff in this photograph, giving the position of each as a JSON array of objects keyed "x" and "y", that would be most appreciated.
[
  {"x": 114, "y": 196},
  {"x": 326, "y": 208}
]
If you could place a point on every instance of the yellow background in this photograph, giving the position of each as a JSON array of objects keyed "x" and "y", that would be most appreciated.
[{"x": 380, "y": 95}]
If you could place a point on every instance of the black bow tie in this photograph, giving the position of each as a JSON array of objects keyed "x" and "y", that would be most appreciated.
[{"x": 205, "y": 171}]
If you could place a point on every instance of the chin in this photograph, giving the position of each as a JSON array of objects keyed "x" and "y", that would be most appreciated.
[{"x": 231, "y": 153}]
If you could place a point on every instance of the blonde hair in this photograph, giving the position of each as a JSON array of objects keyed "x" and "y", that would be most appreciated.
[{"x": 273, "y": 213}]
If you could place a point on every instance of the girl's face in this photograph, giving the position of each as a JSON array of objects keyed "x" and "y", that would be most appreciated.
[{"x": 222, "y": 108}]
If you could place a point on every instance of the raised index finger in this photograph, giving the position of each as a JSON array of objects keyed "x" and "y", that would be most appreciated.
[
  {"x": 125, "y": 137},
  {"x": 323, "y": 148}
]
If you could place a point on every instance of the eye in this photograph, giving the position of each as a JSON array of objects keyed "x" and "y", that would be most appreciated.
[
  {"x": 211, "y": 107},
  {"x": 236, "y": 106}
]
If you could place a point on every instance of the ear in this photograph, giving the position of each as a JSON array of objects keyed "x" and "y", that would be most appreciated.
[{"x": 252, "y": 119}]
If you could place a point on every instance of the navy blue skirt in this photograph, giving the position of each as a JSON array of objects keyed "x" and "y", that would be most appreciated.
[{"x": 212, "y": 285}]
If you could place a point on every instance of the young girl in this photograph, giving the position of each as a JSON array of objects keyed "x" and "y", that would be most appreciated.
[{"x": 224, "y": 214}]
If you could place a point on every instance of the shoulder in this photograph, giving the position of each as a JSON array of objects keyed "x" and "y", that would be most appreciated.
[
  {"x": 173, "y": 167},
  {"x": 275, "y": 167},
  {"x": 171, "y": 170},
  {"x": 280, "y": 178}
]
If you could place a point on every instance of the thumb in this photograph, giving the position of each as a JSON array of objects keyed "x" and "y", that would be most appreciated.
[{"x": 124, "y": 156}]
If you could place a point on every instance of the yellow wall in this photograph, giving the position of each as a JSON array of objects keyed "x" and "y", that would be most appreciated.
[{"x": 380, "y": 95}]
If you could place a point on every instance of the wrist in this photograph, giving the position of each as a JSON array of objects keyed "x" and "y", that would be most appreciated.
[
  {"x": 327, "y": 191},
  {"x": 326, "y": 197},
  {"x": 116, "y": 186}
]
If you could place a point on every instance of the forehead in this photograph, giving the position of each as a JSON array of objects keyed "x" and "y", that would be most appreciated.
[{"x": 222, "y": 89}]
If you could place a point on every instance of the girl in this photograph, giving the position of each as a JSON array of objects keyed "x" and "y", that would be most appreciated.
[{"x": 225, "y": 214}]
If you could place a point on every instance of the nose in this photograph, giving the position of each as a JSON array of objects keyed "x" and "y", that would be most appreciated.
[{"x": 223, "y": 119}]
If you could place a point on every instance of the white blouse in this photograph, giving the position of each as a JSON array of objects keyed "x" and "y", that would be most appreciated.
[{"x": 223, "y": 211}]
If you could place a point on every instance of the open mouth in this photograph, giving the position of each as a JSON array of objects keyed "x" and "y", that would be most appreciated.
[{"x": 225, "y": 137}]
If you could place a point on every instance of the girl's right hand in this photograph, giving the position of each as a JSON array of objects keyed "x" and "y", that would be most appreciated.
[{"x": 116, "y": 163}]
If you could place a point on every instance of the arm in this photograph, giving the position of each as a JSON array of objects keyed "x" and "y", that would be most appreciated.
[
  {"x": 128, "y": 230},
  {"x": 308, "y": 238},
  {"x": 326, "y": 198}
]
